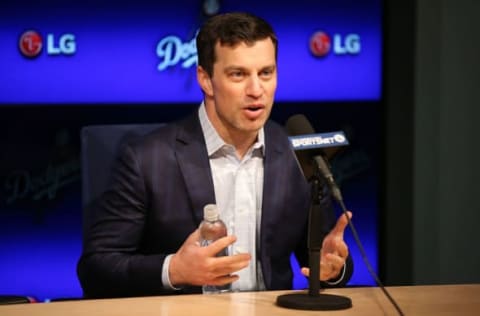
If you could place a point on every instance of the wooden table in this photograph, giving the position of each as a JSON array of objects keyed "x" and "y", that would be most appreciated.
[{"x": 462, "y": 300}]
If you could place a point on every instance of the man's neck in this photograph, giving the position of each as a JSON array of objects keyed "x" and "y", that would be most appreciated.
[
  {"x": 243, "y": 143},
  {"x": 241, "y": 140}
]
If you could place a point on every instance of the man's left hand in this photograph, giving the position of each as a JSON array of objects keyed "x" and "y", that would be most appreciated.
[{"x": 334, "y": 251}]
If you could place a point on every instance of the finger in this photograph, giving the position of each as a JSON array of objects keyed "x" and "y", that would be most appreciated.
[
  {"x": 342, "y": 249},
  {"x": 224, "y": 279},
  {"x": 327, "y": 272},
  {"x": 341, "y": 224},
  {"x": 233, "y": 259},
  {"x": 226, "y": 266},
  {"x": 305, "y": 271},
  {"x": 220, "y": 244},
  {"x": 330, "y": 269},
  {"x": 230, "y": 264},
  {"x": 334, "y": 262},
  {"x": 336, "y": 246}
]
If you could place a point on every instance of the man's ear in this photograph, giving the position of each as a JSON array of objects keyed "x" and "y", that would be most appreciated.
[{"x": 204, "y": 81}]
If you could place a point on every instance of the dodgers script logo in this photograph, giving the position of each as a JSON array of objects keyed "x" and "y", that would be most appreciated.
[{"x": 171, "y": 51}]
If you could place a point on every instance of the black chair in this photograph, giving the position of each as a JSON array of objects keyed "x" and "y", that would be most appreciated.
[{"x": 100, "y": 145}]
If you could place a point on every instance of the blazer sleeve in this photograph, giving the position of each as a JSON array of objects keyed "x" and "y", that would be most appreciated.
[{"x": 111, "y": 265}]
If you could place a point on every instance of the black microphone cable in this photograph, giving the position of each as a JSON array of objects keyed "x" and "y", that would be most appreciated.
[{"x": 336, "y": 193}]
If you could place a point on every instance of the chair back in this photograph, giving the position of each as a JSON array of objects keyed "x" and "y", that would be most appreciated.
[{"x": 100, "y": 146}]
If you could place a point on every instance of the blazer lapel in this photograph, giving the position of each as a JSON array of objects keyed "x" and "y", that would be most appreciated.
[
  {"x": 194, "y": 165},
  {"x": 272, "y": 191}
]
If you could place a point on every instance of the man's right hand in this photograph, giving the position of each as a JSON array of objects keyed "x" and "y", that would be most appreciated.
[{"x": 196, "y": 265}]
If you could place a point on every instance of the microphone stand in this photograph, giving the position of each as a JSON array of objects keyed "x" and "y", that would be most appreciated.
[{"x": 313, "y": 300}]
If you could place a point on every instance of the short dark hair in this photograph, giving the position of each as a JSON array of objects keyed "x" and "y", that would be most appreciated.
[{"x": 230, "y": 29}]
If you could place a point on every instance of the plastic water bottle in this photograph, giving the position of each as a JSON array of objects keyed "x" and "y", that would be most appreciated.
[{"x": 211, "y": 229}]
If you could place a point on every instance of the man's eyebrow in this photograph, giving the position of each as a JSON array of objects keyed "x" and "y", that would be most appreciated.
[
  {"x": 234, "y": 67},
  {"x": 270, "y": 67}
]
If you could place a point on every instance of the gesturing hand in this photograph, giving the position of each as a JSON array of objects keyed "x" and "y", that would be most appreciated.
[
  {"x": 195, "y": 265},
  {"x": 334, "y": 251}
]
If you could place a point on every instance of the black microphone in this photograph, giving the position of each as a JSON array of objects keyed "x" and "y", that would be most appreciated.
[
  {"x": 314, "y": 147},
  {"x": 309, "y": 150}
]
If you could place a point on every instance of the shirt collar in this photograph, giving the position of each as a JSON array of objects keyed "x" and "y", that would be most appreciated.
[{"x": 214, "y": 142}]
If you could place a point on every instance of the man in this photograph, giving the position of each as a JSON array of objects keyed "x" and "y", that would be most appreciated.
[{"x": 144, "y": 239}]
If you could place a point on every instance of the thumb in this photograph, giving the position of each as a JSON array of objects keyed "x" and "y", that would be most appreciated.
[{"x": 342, "y": 223}]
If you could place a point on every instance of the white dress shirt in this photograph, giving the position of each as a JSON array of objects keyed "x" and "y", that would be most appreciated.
[{"x": 238, "y": 185}]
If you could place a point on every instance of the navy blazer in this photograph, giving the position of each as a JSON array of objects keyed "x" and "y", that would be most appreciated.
[{"x": 159, "y": 187}]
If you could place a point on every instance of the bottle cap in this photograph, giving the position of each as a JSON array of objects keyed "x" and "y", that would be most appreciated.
[{"x": 210, "y": 212}]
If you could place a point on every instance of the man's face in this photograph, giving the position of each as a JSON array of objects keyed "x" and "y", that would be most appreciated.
[{"x": 239, "y": 96}]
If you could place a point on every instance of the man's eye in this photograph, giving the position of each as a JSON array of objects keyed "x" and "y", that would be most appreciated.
[
  {"x": 266, "y": 73},
  {"x": 236, "y": 74}
]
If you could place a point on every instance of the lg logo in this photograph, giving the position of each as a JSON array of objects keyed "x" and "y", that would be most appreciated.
[
  {"x": 31, "y": 44},
  {"x": 321, "y": 44}
]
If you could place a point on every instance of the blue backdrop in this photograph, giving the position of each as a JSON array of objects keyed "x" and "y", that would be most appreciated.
[
  {"x": 144, "y": 51},
  {"x": 99, "y": 64}
]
